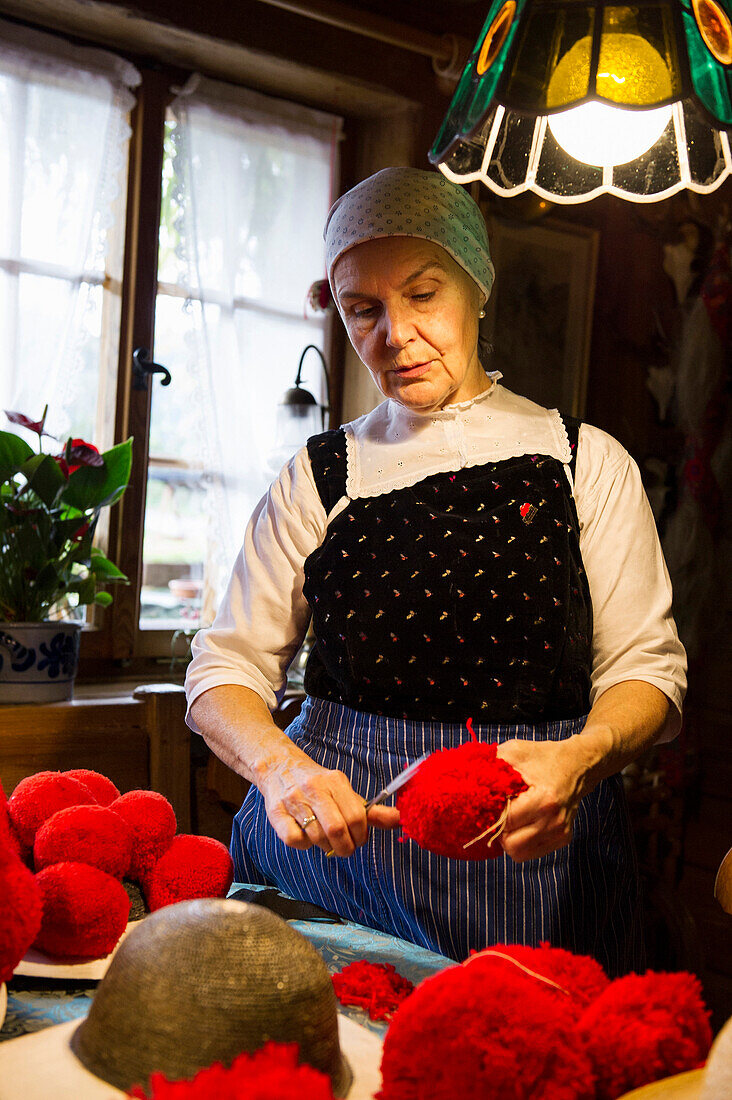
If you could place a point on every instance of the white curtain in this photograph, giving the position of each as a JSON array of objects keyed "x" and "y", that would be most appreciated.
[
  {"x": 255, "y": 183},
  {"x": 63, "y": 142}
]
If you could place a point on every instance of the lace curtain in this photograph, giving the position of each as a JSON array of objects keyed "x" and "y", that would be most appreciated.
[
  {"x": 63, "y": 135},
  {"x": 253, "y": 184}
]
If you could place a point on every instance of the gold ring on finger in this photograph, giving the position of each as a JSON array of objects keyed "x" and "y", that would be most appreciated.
[{"x": 307, "y": 821}]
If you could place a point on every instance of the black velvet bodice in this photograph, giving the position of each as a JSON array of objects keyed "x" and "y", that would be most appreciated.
[{"x": 462, "y": 595}]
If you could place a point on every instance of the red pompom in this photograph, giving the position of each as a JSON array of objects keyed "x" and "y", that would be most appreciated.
[
  {"x": 192, "y": 867},
  {"x": 580, "y": 976},
  {"x": 102, "y": 788},
  {"x": 454, "y": 796},
  {"x": 484, "y": 1030},
  {"x": 645, "y": 1027},
  {"x": 152, "y": 821},
  {"x": 271, "y": 1073},
  {"x": 40, "y": 795},
  {"x": 20, "y": 911},
  {"x": 85, "y": 834},
  {"x": 85, "y": 911},
  {"x": 375, "y": 987}
]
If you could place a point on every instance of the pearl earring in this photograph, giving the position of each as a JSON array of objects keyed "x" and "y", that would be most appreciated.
[{"x": 481, "y": 315}]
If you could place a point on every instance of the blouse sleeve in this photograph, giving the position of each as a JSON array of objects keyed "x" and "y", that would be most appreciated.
[
  {"x": 263, "y": 616},
  {"x": 634, "y": 635}
]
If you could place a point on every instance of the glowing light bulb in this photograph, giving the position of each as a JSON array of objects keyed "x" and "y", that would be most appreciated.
[
  {"x": 599, "y": 134},
  {"x": 630, "y": 72}
]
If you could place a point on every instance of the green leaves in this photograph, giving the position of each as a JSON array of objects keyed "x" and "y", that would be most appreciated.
[
  {"x": 98, "y": 486},
  {"x": 14, "y": 451},
  {"x": 44, "y": 477},
  {"x": 48, "y": 520}
]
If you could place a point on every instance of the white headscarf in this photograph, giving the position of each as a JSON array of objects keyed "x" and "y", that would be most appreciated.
[{"x": 410, "y": 202}]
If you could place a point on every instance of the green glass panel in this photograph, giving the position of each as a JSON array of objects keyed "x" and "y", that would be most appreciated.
[
  {"x": 548, "y": 35},
  {"x": 712, "y": 81},
  {"x": 472, "y": 99}
]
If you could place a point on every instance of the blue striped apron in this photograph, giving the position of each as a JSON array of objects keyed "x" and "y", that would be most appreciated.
[{"x": 584, "y": 897}]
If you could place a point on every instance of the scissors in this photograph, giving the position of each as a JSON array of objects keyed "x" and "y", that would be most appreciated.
[{"x": 390, "y": 788}]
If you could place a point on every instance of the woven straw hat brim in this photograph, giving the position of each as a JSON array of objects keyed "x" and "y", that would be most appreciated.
[
  {"x": 43, "y": 1065},
  {"x": 682, "y": 1086}
]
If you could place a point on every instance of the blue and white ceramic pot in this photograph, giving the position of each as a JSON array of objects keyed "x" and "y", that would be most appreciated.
[{"x": 38, "y": 661}]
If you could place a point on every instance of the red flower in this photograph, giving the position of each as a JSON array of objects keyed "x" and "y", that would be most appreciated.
[
  {"x": 78, "y": 453},
  {"x": 26, "y": 422}
]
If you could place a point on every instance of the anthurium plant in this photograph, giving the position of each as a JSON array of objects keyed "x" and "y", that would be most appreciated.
[{"x": 49, "y": 508}]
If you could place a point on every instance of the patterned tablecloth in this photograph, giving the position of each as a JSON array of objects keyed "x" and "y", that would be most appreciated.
[{"x": 34, "y": 1003}]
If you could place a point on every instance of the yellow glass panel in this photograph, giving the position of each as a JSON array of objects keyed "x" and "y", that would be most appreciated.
[{"x": 630, "y": 71}]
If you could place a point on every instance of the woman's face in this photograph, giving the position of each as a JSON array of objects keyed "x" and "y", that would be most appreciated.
[{"x": 411, "y": 313}]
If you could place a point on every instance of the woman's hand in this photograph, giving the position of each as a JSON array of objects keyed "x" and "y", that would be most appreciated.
[
  {"x": 295, "y": 789},
  {"x": 540, "y": 820},
  {"x": 624, "y": 721}
]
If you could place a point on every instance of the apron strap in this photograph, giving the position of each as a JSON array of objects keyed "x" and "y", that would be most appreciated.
[{"x": 327, "y": 454}]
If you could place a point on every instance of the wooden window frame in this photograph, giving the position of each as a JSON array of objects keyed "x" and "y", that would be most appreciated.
[{"x": 114, "y": 645}]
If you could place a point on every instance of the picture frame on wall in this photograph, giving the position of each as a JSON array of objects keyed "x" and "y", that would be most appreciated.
[{"x": 539, "y": 316}]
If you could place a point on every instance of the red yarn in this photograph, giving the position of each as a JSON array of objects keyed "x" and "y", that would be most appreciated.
[
  {"x": 580, "y": 976},
  {"x": 20, "y": 910},
  {"x": 192, "y": 867},
  {"x": 85, "y": 834},
  {"x": 102, "y": 788},
  {"x": 38, "y": 796},
  {"x": 4, "y": 819},
  {"x": 375, "y": 987},
  {"x": 152, "y": 821},
  {"x": 271, "y": 1073},
  {"x": 644, "y": 1028},
  {"x": 487, "y": 1031},
  {"x": 455, "y": 796},
  {"x": 85, "y": 911}
]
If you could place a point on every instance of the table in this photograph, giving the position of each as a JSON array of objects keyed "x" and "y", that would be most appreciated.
[{"x": 34, "y": 1004}]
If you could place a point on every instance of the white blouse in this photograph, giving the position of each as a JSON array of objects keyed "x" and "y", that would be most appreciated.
[{"x": 264, "y": 616}]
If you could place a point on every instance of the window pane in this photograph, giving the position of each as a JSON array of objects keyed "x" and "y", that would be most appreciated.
[
  {"x": 244, "y": 204},
  {"x": 64, "y": 136}
]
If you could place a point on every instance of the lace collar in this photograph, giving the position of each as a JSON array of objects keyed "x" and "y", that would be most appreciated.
[{"x": 392, "y": 447}]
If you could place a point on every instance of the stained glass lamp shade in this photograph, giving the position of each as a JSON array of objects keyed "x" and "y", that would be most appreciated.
[{"x": 571, "y": 99}]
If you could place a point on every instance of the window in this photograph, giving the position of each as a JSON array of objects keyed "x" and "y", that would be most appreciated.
[
  {"x": 233, "y": 187},
  {"x": 246, "y": 191}
]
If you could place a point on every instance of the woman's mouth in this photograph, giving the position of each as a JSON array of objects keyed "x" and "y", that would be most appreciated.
[{"x": 412, "y": 370}]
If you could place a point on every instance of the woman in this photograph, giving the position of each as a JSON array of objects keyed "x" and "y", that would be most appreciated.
[{"x": 463, "y": 553}]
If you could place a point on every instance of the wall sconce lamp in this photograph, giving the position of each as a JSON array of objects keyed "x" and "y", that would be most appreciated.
[
  {"x": 575, "y": 98},
  {"x": 299, "y": 415}
]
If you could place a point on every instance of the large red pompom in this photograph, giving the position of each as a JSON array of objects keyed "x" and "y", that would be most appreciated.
[
  {"x": 40, "y": 795},
  {"x": 483, "y": 1030},
  {"x": 192, "y": 867},
  {"x": 20, "y": 911},
  {"x": 85, "y": 834},
  {"x": 152, "y": 821},
  {"x": 580, "y": 976},
  {"x": 102, "y": 788},
  {"x": 4, "y": 819},
  {"x": 645, "y": 1027},
  {"x": 271, "y": 1073},
  {"x": 85, "y": 911},
  {"x": 454, "y": 796}
]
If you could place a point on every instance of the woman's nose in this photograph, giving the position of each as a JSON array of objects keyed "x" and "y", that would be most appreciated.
[{"x": 399, "y": 327}]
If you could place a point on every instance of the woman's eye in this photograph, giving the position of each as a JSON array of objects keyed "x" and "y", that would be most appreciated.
[
  {"x": 424, "y": 296},
  {"x": 363, "y": 311}
]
